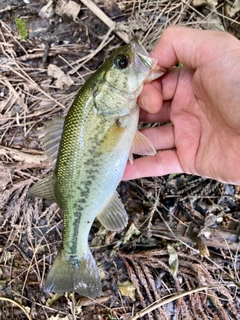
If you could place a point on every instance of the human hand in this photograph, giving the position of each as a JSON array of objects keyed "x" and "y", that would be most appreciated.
[{"x": 202, "y": 101}]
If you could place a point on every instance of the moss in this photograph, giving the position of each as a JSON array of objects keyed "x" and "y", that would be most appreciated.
[{"x": 21, "y": 26}]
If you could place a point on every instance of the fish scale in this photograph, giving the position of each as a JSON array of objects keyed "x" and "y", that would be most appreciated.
[{"x": 96, "y": 140}]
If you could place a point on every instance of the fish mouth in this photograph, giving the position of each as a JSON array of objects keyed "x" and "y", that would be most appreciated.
[{"x": 144, "y": 62}]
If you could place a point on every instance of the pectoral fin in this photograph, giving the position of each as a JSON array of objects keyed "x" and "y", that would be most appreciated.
[
  {"x": 141, "y": 145},
  {"x": 114, "y": 217},
  {"x": 44, "y": 189},
  {"x": 111, "y": 138}
]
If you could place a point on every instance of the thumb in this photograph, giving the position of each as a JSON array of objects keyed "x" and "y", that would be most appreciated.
[{"x": 192, "y": 47}]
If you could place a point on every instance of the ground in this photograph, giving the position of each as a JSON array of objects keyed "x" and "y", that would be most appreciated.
[{"x": 181, "y": 246}]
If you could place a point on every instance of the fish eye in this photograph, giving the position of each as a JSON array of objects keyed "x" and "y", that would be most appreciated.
[{"x": 121, "y": 61}]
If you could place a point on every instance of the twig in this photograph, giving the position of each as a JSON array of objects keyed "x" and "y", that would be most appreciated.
[
  {"x": 156, "y": 20},
  {"x": 91, "y": 55},
  {"x": 26, "y": 77},
  {"x": 173, "y": 298},
  {"x": 18, "y": 305},
  {"x": 205, "y": 17},
  {"x": 22, "y": 156},
  {"x": 102, "y": 16},
  {"x": 5, "y": 81}
]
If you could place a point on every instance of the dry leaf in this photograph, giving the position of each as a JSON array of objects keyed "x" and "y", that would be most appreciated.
[
  {"x": 70, "y": 9},
  {"x": 127, "y": 289},
  {"x": 202, "y": 247},
  {"x": 62, "y": 79},
  {"x": 47, "y": 11},
  {"x": 131, "y": 231},
  {"x": 198, "y": 3},
  {"x": 235, "y": 8},
  {"x": 212, "y": 22},
  {"x": 173, "y": 260},
  {"x": 5, "y": 256},
  {"x": 52, "y": 299}
]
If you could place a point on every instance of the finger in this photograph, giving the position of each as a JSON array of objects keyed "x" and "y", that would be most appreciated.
[
  {"x": 150, "y": 98},
  {"x": 163, "y": 115},
  {"x": 192, "y": 47},
  {"x": 162, "y": 137},
  {"x": 164, "y": 162},
  {"x": 155, "y": 93}
]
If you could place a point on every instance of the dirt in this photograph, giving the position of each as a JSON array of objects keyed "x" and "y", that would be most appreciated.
[{"x": 196, "y": 218}]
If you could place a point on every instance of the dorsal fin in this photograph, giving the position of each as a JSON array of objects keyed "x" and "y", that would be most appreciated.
[{"x": 50, "y": 136}]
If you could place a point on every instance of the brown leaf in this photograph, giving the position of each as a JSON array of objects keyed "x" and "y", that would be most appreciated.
[
  {"x": 127, "y": 289},
  {"x": 62, "y": 79},
  {"x": 70, "y": 9}
]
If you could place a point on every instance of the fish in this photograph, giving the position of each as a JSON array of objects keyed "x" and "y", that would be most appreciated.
[{"x": 90, "y": 149}]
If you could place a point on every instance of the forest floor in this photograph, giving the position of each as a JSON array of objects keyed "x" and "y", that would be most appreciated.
[{"x": 180, "y": 250}]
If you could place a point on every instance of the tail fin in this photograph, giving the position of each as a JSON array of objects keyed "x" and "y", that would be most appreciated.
[{"x": 80, "y": 275}]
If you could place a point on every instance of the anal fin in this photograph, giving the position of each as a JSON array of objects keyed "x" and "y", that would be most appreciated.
[
  {"x": 114, "y": 216},
  {"x": 44, "y": 189}
]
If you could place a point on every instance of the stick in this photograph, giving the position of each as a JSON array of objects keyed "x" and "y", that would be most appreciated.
[{"x": 102, "y": 16}]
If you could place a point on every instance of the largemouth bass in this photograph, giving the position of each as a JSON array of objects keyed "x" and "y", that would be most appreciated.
[{"x": 96, "y": 139}]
